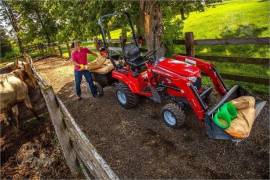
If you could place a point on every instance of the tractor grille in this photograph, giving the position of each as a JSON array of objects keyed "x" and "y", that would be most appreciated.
[{"x": 198, "y": 83}]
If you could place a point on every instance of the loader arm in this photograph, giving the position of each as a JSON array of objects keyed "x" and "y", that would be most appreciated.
[{"x": 208, "y": 69}]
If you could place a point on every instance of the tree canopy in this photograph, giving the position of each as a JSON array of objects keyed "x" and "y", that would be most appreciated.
[{"x": 47, "y": 21}]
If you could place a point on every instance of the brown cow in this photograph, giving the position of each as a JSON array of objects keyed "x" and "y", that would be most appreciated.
[{"x": 14, "y": 89}]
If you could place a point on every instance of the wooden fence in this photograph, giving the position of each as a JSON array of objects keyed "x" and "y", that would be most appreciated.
[
  {"x": 190, "y": 44},
  {"x": 80, "y": 154}
]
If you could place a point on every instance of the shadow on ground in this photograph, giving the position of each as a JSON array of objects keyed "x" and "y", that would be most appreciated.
[{"x": 136, "y": 143}]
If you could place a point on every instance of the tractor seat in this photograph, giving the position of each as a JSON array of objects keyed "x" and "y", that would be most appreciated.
[{"x": 133, "y": 55}]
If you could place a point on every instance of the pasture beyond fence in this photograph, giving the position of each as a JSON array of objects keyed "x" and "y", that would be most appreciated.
[{"x": 79, "y": 153}]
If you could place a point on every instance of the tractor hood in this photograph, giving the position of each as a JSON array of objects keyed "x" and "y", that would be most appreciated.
[{"x": 178, "y": 67}]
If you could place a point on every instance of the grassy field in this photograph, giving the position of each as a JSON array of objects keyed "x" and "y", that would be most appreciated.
[
  {"x": 233, "y": 18},
  {"x": 218, "y": 21}
]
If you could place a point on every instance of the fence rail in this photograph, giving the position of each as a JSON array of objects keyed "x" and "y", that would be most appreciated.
[
  {"x": 190, "y": 44},
  {"x": 237, "y": 60},
  {"x": 229, "y": 41},
  {"x": 80, "y": 154}
]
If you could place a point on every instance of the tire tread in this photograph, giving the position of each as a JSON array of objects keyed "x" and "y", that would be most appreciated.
[
  {"x": 178, "y": 113},
  {"x": 132, "y": 99}
]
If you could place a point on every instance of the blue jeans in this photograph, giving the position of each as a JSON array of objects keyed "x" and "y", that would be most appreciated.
[{"x": 88, "y": 77}]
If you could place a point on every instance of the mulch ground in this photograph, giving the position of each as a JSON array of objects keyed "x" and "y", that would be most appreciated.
[
  {"x": 136, "y": 143},
  {"x": 33, "y": 152}
]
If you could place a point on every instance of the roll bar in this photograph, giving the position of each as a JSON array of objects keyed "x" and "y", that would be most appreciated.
[{"x": 103, "y": 34}]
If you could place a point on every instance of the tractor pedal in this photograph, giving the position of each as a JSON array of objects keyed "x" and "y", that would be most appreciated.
[{"x": 155, "y": 95}]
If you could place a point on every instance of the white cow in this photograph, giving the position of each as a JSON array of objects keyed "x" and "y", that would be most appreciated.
[{"x": 14, "y": 89}]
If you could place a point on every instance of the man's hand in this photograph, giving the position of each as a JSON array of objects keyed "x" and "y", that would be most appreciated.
[{"x": 83, "y": 67}]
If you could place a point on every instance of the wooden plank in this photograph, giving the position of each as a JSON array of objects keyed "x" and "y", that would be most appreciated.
[
  {"x": 238, "y": 60},
  {"x": 249, "y": 79},
  {"x": 83, "y": 154},
  {"x": 179, "y": 41},
  {"x": 230, "y": 41},
  {"x": 86, "y": 150},
  {"x": 85, "y": 170},
  {"x": 234, "y": 41},
  {"x": 57, "y": 120}
]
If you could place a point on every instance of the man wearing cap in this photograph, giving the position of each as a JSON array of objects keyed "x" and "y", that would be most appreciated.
[{"x": 79, "y": 59}]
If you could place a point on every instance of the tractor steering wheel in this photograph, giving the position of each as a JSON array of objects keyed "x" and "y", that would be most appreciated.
[{"x": 149, "y": 54}]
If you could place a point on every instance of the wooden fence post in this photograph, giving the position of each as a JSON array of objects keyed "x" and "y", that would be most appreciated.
[
  {"x": 62, "y": 135},
  {"x": 189, "y": 42}
]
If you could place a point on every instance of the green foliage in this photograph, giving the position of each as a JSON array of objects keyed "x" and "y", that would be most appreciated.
[
  {"x": 5, "y": 44},
  {"x": 173, "y": 26}
]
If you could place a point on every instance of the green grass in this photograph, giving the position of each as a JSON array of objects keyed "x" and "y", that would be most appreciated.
[
  {"x": 233, "y": 18},
  {"x": 251, "y": 87},
  {"x": 215, "y": 21},
  {"x": 115, "y": 34}
]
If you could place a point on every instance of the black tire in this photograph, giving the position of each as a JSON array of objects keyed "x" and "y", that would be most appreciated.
[
  {"x": 102, "y": 79},
  {"x": 176, "y": 112},
  {"x": 99, "y": 89},
  {"x": 131, "y": 98}
]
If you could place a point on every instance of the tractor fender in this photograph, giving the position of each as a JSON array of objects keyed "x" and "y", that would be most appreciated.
[{"x": 127, "y": 79}]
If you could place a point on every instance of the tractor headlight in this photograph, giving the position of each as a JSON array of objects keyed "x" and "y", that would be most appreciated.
[{"x": 192, "y": 79}]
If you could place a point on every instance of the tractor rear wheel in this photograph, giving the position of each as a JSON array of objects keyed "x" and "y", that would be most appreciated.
[
  {"x": 173, "y": 115},
  {"x": 99, "y": 89},
  {"x": 102, "y": 79},
  {"x": 125, "y": 97}
]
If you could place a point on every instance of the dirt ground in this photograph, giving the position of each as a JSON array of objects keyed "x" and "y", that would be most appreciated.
[
  {"x": 31, "y": 154},
  {"x": 136, "y": 144}
]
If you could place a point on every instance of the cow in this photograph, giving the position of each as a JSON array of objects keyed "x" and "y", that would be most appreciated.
[{"x": 14, "y": 88}]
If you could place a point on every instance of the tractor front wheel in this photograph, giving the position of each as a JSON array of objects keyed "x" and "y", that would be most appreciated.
[
  {"x": 173, "y": 116},
  {"x": 125, "y": 97}
]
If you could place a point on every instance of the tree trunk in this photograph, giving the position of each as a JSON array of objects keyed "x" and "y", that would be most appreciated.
[
  {"x": 140, "y": 24},
  {"x": 182, "y": 12},
  {"x": 14, "y": 24},
  {"x": 153, "y": 23},
  {"x": 69, "y": 50},
  {"x": 124, "y": 33},
  {"x": 47, "y": 36}
]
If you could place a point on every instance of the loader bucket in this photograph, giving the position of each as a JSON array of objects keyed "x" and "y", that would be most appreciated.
[{"x": 215, "y": 132}]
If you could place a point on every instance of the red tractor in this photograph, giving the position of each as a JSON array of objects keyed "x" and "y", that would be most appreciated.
[{"x": 177, "y": 80}]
